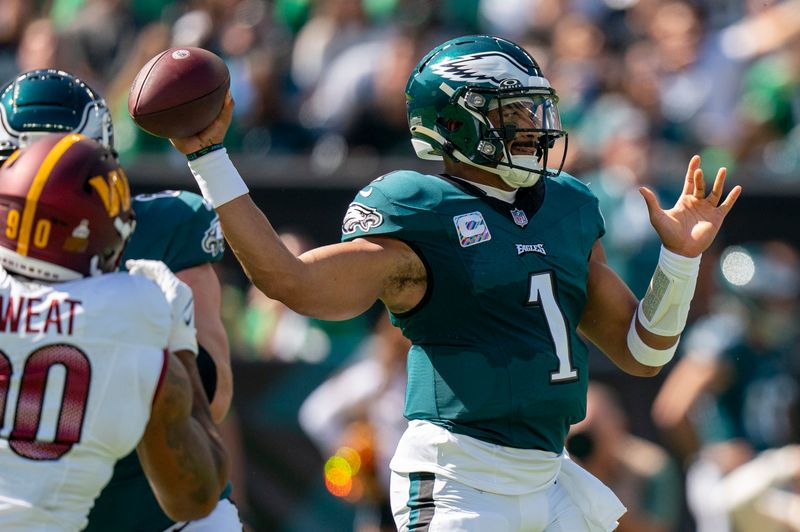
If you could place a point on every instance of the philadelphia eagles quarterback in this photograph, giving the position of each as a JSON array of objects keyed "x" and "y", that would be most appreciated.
[{"x": 492, "y": 267}]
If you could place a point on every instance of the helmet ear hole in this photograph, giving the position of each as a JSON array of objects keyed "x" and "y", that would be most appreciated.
[{"x": 449, "y": 124}]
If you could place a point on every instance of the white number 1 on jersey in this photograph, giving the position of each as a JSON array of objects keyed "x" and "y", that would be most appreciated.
[{"x": 541, "y": 294}]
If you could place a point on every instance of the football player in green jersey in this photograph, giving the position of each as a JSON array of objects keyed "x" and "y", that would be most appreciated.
[
  {"x": 180, "y": 229},
  {"x": 491, "y": 269},
  {"x": 177, "y": 228}
]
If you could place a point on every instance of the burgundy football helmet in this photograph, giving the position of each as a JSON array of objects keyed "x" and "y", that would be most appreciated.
[{"x": 65, "y": 209}]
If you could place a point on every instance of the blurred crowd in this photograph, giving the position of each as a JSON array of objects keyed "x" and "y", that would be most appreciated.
[
  {"x": 643, "y": 84},
  {"x": 639, "y": 80}
]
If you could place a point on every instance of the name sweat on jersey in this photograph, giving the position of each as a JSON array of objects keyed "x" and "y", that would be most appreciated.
[
  {"x": 80, "y": 363},
  {"x": 54, "y": 317},
  {"x": 496, "y": 353}
]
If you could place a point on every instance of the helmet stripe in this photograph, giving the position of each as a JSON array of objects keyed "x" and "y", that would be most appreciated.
[
  {"x": 35, "y": 192},
  {"x": 11, "y": 159}
]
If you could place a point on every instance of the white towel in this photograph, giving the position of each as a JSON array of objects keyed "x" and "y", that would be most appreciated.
[{"x": 600, "y": 507}]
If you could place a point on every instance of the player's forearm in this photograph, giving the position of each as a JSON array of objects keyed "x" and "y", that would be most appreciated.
[
  {"x": 217, "y": 381},
  {"x": 271, "y": 267},
  {"x": 209, "y": 453},
  {"x": 188, "y": 479},
  {"x": 216, "y": 458},
  {"x": 223, "y": 393},
  {"x": 180, "y": 451},
  {"x": 607, "y": 316},
  {"x": 201, "y": 415},
  {"x": 211, "y": 337},
  {"x": 332, "y": 283},
  {"x": 266, "y": 261}
]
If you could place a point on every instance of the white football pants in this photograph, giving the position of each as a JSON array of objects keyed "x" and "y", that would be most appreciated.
[{"x": 425, "y": 502}]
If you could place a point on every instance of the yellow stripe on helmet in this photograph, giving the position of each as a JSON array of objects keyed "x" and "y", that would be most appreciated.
[
  {"x": 11, "y": 158},
  {"x": 35, "y": 192}
]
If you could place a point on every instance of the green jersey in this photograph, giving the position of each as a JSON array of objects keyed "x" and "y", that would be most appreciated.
[
  {"x": 496, "y": 354},
  {"x": 757, "y": 404},
  {"x": 177, "y": 227},
  {"x": 182, "y": 230}
]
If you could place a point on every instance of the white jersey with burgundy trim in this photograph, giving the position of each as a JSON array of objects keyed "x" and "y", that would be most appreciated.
[{"x": 80, "y": 363}]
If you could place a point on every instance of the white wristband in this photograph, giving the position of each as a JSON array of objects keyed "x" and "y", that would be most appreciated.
[
  {"x": 218, "y": 179},
  {"x": 665, "y": 307},
  {"x": 643, "y": 353}
]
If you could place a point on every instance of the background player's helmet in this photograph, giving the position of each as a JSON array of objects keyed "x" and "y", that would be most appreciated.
[
  {"x": 50, "y": 101},
  {"x": 458, "y": 83},
  {"x": 65, "y": 209}
]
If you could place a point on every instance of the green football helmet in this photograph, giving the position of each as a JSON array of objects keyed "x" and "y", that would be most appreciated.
[
  {"x": 484, "y": 101},
  {"x": 50, "y": 101}
]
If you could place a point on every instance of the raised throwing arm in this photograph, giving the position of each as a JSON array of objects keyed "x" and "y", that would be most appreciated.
[{"x": 331, "y": 282}]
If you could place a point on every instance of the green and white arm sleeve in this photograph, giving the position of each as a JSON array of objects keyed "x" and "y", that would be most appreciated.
[{"x": 665, "y": 306}]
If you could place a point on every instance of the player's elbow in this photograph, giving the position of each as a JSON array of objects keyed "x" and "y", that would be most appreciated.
[
  {"x": 628, "y": 363},
  {"x": 288, "y": 288},
  {"x": 309, "y": 300},
  {"x": 637, "y": 369}
]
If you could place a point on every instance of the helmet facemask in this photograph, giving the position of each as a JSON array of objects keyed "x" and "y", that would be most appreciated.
[
  {"x": 484, "y": 101},
  {"x": 517, "y": 131},
  {"x": 511, "y": 131}
]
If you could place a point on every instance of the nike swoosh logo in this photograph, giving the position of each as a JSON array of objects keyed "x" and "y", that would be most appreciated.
[
  {"x": 188, "y": 313},
  {"x": 366, "y": 193}
]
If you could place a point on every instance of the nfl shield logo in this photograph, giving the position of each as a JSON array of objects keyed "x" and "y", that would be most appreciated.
[{"x": 519, "y": 217}]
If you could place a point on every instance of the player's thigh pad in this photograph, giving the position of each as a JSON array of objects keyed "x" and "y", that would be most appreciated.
[
  {"x": 565, "y": 515},
  {"x": 425, "y": 502}
]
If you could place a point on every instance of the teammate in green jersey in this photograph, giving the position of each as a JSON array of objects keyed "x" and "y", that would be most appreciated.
[
  {"x": 177, "y": 228},
  {"x": 180, "y": 229},
  {"x": 491, "y": 270}
]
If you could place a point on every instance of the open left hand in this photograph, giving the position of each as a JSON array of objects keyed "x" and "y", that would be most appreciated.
[
  {"x": 213, "y": 134},
  {"x": 690, "y": 226}
]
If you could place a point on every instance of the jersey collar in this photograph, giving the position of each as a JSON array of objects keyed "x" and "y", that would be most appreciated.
[{"x": 528, "y": 199}]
